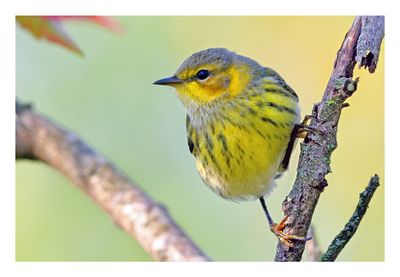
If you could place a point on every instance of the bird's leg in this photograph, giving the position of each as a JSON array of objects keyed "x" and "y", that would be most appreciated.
[
  {"x": 277, "y": 229},
  {"x": 299, "y": 131},
  {"x": 289, "y": 149}
]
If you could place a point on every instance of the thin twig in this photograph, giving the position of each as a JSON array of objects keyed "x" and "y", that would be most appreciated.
[
  {"x": 312, "y": 247},
  {"x": 340, "y": 241},
  {"x": 132, "y": 209},
  {"x": 316, "y": 150}
]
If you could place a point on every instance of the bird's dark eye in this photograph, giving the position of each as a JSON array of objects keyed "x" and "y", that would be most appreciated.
[{"x": 202, "y": 74}]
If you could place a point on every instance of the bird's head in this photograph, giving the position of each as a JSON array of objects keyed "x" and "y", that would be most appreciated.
[{"x": 209, "y": 74}]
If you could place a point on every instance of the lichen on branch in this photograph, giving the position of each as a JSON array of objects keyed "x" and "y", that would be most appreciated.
[
  {"x": 316, "y": 150},
  {"x": 351, "y": 226}
]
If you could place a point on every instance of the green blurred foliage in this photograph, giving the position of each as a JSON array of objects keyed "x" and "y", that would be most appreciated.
[{"x": 109, "y": 100}]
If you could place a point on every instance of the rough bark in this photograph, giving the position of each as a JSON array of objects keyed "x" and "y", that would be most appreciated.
[
  {"x": 365, "y": 36},
  {"x": 132, "y": 209},
  {"x": 340, "y": 241}
]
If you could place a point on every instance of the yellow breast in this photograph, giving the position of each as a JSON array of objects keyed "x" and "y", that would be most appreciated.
[{"x": 239, "y": 144}]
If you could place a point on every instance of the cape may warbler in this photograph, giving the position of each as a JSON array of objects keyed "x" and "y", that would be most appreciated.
[{"x": 240, "y": 121}]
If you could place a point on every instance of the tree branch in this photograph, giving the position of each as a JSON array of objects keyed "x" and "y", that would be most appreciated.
[
  {"x": 351, "y": 227},
  {"x": 365, "y": 35},
  {"x": 132, "y": 209},
  {"x": 312, "y": 247}
]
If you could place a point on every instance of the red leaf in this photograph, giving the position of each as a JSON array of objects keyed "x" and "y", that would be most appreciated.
[
  {"x": 103, "y": 21},
  {"x": 51, "y": 28}
]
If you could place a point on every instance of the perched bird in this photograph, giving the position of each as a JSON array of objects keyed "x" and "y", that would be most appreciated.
[{"x": 240, "y": 124}]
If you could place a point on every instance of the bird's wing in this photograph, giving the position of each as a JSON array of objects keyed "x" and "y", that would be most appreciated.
[
  {"x": 272, "y": 73},
  {"x": 189, "y": 132}
]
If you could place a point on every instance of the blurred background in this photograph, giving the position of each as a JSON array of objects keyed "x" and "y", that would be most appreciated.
[{"x": 108, "y": 98}]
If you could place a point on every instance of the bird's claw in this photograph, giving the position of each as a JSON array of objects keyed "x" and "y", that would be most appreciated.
[{"x": 286, "y": 239}]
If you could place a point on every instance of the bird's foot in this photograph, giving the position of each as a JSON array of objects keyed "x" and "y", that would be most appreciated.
[{"x": 286, "y": 239}]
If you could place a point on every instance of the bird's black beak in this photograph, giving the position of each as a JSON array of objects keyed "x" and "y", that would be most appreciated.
[{"x": 168, "y": 81}]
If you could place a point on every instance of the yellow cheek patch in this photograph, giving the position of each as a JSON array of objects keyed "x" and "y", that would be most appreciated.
[
  {"x": 232, "y": 80},
  {"x": 216, "y": 85},
  {"x": 240, "y": 78},
  {"x": 204, "y": 92}
]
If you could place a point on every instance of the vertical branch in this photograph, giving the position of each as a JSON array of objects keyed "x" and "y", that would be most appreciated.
[{"x": 316, "y": 150}]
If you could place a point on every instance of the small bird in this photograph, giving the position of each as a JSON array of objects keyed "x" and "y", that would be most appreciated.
[{"x": 240, "y": 124}]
